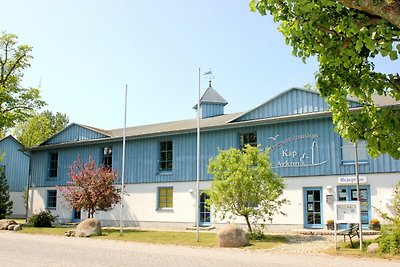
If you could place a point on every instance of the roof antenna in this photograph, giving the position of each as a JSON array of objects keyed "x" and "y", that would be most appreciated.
[{"x": 209, "y": 76}]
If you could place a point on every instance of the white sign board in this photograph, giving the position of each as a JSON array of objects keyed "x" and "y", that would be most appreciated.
[
  {"x": 352, "y": 180},
  {"x": 347, "y": 212}
]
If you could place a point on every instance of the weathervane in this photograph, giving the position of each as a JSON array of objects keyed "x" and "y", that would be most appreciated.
[{"x": 209, "y": 76}]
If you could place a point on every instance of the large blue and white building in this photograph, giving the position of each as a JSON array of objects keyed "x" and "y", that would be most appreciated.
[{"x": 318, "y": 166}]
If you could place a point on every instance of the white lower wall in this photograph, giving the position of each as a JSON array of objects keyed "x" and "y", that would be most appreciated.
[
  {"x": 18, "y": 205},
  {"x": 140, "y": 202}
]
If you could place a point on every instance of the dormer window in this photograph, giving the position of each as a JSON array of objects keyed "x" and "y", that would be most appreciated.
[{"x": 106, "y": 160}]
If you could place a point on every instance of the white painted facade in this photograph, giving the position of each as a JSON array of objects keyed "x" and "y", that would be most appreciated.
[
  {"x": 141, "y": 210},
  {"x": 18, "y": 205}
]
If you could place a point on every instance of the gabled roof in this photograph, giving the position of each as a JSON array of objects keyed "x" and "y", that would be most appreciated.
[
  {"x": 303, "y": 104},
  {"x": 289, "y": 102},
  {"x": 12, "y": 138},
  {"x": 98, "y": 131}
]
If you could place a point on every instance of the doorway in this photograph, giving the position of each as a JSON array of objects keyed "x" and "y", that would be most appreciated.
[
  {"x": 76, "y": 215},
  {"x": 205, "y": 211},
  {"x": 313, "y": 207}
]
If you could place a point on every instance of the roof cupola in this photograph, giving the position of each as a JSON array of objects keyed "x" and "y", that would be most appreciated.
[{"x": 211, "y": 103}]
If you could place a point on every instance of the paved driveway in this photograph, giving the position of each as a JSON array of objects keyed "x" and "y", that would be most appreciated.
[{"x": 38, "y": 250}]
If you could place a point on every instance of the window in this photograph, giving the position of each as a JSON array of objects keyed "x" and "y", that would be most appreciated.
[
  {"x": 165, "y": 199},
  {"x": 248, "y": 139},
  {"x": 348, "y": 151},
  {"x": 51, "y": 199},
  {"x": 106, "y": 159},
  {"x": 252, "y": 204},
  {"x": 53, "y": 164},
  {"x": 165, "y": 162}
]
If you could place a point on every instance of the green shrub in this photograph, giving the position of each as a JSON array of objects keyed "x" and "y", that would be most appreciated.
[
  {"x": 42, "y": 219},
  {"x": 389, "y": 242}
]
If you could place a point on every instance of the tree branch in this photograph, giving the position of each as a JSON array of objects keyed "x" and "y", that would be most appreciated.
[
  {"x": 386, "y": 9},
  {"x": 14, "y": 66}
]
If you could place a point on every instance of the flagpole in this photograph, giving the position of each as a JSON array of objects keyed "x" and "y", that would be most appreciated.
[
  {"x": 358, "y": 193},
  {"x": 123, "y": 163},
  {"x": 198, "y": 163}
]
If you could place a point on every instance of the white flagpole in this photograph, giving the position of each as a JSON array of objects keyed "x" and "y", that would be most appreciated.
[
  {"x": 123, "y": 163},
  {"x": 358, "y": 193},
  {"x": 198, "y": 163}
]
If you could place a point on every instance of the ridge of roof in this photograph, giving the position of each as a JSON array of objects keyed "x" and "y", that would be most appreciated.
[
  {"x": 12, "y": 137},
  {"x": 171, "y": 126}
]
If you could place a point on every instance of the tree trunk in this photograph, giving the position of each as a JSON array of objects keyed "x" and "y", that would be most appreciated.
[{"x": 248, "y": 223}]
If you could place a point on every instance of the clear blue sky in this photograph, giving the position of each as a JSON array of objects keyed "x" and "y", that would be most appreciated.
[{"x": 86, "y": 51}]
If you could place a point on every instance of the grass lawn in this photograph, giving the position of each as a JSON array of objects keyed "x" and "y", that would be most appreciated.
[
  {"x": 345, "y": 249},
  {"x": 27, "y": 229},
  {"x": 206, "y": 239}
]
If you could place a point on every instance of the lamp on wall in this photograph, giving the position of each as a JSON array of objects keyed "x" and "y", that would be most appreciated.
[
  {"x": 191, "y": 191},
  {"x": 329, "y": 188}
]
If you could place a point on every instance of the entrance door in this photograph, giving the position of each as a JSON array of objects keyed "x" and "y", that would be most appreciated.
[
  {"x": 313, "y": 207},
  {"x": 349, "y": 193},
  {"x": 76, "y": 215},
  {"x": 205, "y": 212}
]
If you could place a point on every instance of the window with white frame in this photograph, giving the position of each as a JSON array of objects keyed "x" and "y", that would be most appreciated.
[
  {"x": 165, "y": 197},
  {"x": 348, "y": 155},
  {"x": 51, "y": 199}
]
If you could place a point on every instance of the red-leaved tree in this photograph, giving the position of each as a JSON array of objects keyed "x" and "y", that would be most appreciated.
[{"x": 91, "y": 188}]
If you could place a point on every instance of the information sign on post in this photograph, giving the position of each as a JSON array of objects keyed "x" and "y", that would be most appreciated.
[{"x": 346, "y": 212}]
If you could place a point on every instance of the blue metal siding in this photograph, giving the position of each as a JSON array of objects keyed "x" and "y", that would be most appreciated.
[
  {"x": 293, "y": 102},
  {"x": 211, "y": 110},
  {"x": 314, "y": 139},
  {"x": 17, "y": 164},
  {"x": 74, "y": 133},
  {"x": 66, "y": 157}
]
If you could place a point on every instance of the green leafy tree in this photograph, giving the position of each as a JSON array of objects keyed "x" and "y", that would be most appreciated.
[
  {"x": 347, "y": 37},
  {"x": 5, "y": 202},
  {"x": 40, "y": 127},
  {"x": 244, "y": 185},
  {"x": 16, "y": 102}
]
